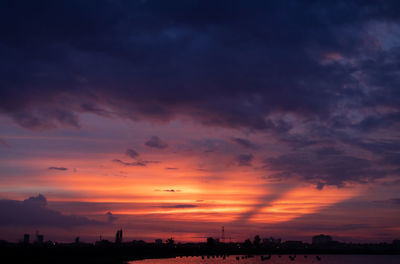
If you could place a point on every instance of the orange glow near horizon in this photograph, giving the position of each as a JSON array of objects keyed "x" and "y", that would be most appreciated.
[
  {"x": 225, "y": 197},
  {"x": 176, "y": 188}
]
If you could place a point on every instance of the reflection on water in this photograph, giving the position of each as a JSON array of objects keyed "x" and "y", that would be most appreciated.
[{"x": 275, "y": 259}]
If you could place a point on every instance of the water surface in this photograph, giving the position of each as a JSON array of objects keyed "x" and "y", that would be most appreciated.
[{"x": 301, "y": 259}]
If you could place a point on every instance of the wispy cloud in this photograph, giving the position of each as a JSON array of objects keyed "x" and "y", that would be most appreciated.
[
  {"x": 167, "y": 190},
  {"x": 57, "y": 168},
  {"x": 244, "y": 159}
]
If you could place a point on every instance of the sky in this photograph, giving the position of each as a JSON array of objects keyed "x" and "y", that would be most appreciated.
[{"x": 175, "y": 118}]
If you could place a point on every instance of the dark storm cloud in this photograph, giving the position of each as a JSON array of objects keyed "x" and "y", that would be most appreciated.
[
  {"x": 387, "y": 151},
  {"x": 57, "y": 168},
  {"x": 245, "y": 143},
  {"x": 304, "y": 72},
  {"x": 391, "y": 158},
  {"x": 327, "y": 151},
  {"x": 382, "y": 73},
  {"x": 314, "y": 157},
  {"x": 156, "y": 142},
  {"x": 393, "y": 201},
  {"x": 132, "y": 153},
  {"x": 379, "y": 121},
  {"x": 224, "y": 64},
  {"x": 374, "y": 146},
  {"x": 297, "y": 141},
  {"x": 324, "y": 166},
  {"x": 244, "y": 159},
  {"x": 33, "y": 212}
]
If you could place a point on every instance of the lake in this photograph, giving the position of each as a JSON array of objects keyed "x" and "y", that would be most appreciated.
[{"x": 327, "y": 259}]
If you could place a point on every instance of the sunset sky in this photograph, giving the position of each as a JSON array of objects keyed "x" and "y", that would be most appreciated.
[{"x": 175, "y": 118}]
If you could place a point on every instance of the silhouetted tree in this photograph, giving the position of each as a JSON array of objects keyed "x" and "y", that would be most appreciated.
[
  {"x": 247, "y": 243},
  {"x": 257, "y": 241},
  {"x": 210, "y": 242},
  {"x": 170, "y": 241}
]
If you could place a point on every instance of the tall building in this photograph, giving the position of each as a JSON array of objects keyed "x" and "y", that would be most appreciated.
[
  {"x": 26, "y": 238},
  {"x": 39, "y": 239}
]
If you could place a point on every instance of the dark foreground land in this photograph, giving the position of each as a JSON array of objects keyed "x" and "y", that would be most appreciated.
[{"x": 107, "y": 252}]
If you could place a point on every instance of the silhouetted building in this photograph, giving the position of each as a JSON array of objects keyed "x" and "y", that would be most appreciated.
[
  {"x": 26, "y": 238},
  {"x": 158, "y": 241},
  {"x": 103, "y": 243},
  {"x": 271, "y": 241},
  {"x": 396, "y": 243},
  {"x": 321, "y": 240},
  {"x": 77, "y": 240},
  {"x": 118, "y": 236},
  {"x": 39, "y": 239},
  {"x": 293, "y": 244}
]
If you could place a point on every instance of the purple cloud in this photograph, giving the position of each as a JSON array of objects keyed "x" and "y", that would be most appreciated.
[
  {"x": 156, "y": 142},
  {"x": 132, "y": 153},
  {"x": 245, "y": 143},
  {"x": 110, "y": 217},
  {"x": 34, "y": 212},
  {"x": 244, "y": 159}
]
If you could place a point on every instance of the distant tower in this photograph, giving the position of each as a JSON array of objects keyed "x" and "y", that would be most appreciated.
[
  {"x": 39, "y": 238},
  {"x": 77, "y": 240},
  {"x": 26, "y": 238},
  {"x": 118, "y": 236},
  {"x": 223, "y": 234}
]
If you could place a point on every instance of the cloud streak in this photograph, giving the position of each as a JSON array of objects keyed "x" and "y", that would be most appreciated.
[
  {"x": 245, "y": 143},
  {"x": 57, "y": 168},
  {"x": 156, "y": 142},
  {"x": 133, "y": 164}
]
